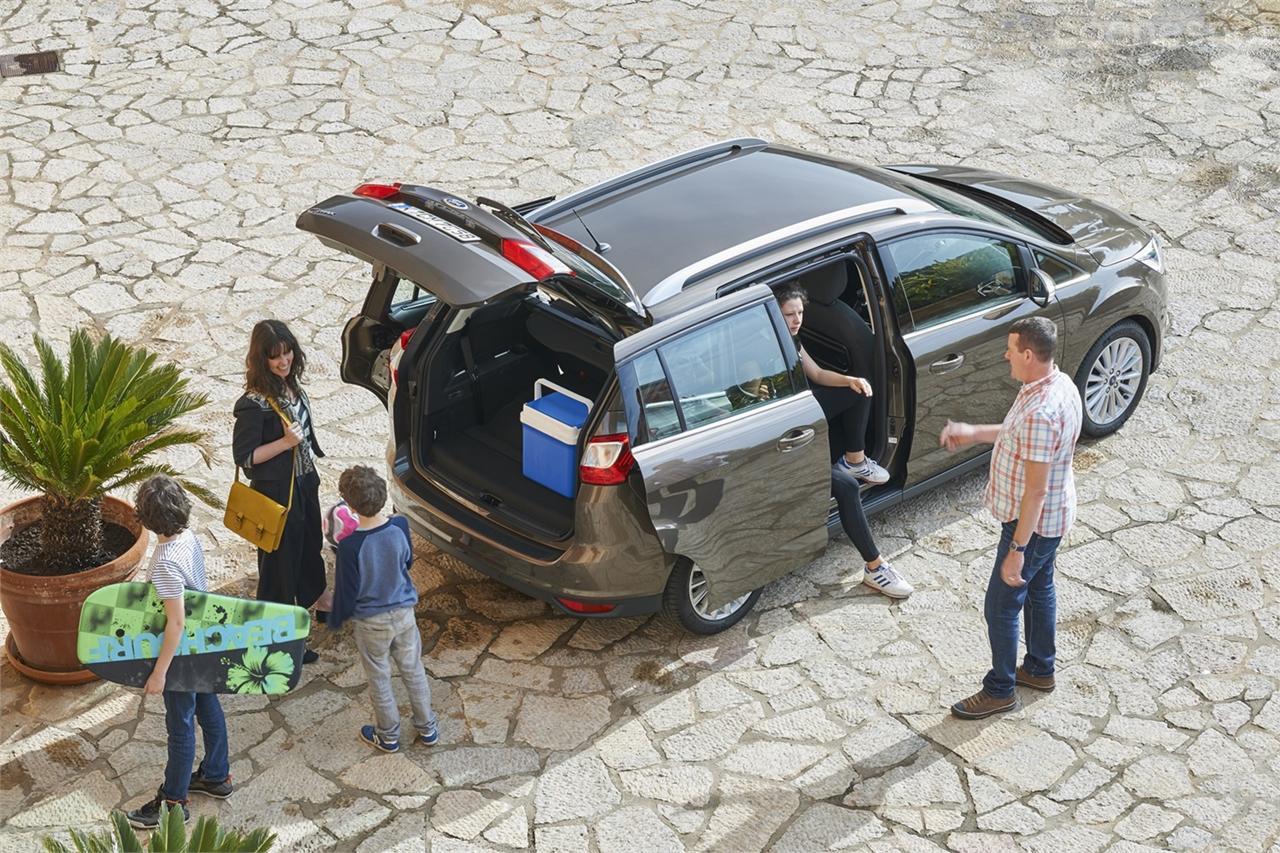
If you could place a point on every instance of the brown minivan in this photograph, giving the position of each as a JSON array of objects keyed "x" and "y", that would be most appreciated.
[{"x": 649, "y": 296}]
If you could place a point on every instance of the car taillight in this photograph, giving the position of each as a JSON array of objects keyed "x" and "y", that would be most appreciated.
[
  {"x": 534, "y": 260},
  {"x": 377, "y": 190},
  {"x": 606, "y": 460},
  {"x": 395, "y": 359},
  {"x": 584, "y": 606}
]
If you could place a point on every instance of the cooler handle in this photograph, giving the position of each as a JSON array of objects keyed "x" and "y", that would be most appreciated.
[{"x": 539, "y": 384}]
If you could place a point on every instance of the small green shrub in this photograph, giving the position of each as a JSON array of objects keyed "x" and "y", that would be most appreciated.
[{"x": 170, "y": 837}]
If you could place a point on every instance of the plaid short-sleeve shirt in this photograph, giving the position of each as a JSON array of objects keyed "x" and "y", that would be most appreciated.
[{"x": 1043, "y": 425}]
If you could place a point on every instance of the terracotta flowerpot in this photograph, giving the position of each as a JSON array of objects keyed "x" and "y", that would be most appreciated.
[{"x": 44, "y": 610}]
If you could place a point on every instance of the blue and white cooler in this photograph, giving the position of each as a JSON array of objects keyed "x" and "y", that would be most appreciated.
[{"x": 550, "y": 424}]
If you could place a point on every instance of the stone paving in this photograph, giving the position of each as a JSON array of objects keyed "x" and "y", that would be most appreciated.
[{"x": 150, "y": 191}]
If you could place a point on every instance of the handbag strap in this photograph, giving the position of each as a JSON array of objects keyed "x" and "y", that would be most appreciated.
[
  {"x": 293, "y": 455},
  {"x": 293, "y": 460}
]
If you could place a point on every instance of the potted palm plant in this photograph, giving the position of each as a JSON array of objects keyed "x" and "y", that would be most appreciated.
[{"x": 86, "y": 426}]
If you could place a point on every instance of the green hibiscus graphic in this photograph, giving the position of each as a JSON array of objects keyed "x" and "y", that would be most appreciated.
[{"x": 259, "y": 672}]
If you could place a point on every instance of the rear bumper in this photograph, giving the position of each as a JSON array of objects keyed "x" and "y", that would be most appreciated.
[{"x": 580, "y": 573}]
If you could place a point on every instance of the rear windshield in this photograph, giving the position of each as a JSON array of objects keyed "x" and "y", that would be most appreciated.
[{"x": 587, "y": 272}]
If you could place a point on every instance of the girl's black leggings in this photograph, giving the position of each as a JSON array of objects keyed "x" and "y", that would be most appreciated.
[
  {"x": 852, "y": 518},
  {"x": 849, "y": 409}
]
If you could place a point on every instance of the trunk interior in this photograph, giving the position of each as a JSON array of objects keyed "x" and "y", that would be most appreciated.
[{"x": 477, "y": 380}]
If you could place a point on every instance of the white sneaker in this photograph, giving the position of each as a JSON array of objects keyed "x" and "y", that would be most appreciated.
[
  {"x": 867, "y": 470},
  {"x": 887, "y": 581}
]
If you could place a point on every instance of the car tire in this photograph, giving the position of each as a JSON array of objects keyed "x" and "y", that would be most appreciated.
[
  {"x": 681, "y": 602},
  {"x": 1113, "y": 377}
]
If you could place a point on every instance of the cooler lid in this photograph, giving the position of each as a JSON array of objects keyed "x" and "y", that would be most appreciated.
[{"x": 563, "y": 408}]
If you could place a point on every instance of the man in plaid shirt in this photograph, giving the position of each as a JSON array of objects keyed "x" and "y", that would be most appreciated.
[{"x": 1032, "y": 493}]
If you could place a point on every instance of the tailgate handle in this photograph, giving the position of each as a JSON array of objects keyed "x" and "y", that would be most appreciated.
[{"x": 399, "y": 235}]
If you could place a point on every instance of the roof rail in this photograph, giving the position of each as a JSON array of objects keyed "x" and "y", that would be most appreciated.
[
  {"x": 643, "y": 173},
  {"x": 757, "y": 246}
]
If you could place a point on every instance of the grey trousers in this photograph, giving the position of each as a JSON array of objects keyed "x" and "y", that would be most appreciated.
[{"x": 381, "y": 638}]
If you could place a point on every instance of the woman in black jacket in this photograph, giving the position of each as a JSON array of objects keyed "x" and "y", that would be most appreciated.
[{"x": 274, "y": 455}]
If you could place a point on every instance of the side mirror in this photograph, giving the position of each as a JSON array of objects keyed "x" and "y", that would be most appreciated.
[{"x": 1042, "y": 287}]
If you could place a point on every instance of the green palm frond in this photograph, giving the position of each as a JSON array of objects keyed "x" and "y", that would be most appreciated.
[
  {"x": 93, "y": 421},
  {"x": 144, "y": 472},
  {"x": 171, "y": 835},
  {"x": 126, "y": 838},
  {"x": 206, "y": 836}
]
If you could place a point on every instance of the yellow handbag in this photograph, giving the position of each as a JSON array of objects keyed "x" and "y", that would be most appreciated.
[{"x": 254, "y": 516}]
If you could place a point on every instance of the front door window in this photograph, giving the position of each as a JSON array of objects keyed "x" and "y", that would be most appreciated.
[
  {"x": 964, "y": 290},
  {"x": 944, "y": 275}
]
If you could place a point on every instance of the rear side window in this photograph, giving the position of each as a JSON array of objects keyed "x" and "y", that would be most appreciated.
[
  {"x": 712, "y": 372},
  {"x": 654, "y": 395},
  {"x": 946, "y": 275}
]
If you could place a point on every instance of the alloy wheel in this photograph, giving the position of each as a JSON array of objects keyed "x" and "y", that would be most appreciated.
[
  {"x": 698, "y": 591},
  {"x": 1113, "y": 381}
]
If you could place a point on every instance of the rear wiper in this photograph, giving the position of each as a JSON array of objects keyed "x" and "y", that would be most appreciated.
[{"x": 530, "y": 206}]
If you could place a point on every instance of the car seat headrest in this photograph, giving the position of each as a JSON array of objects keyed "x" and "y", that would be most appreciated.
[{"x": 826, "y": 284}]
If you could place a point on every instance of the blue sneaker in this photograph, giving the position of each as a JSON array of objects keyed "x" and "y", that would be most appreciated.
[
  {"x": 370, "y": 735},
  {"x": 867, "y": 470},
  {"x": 429, "y": 737}
]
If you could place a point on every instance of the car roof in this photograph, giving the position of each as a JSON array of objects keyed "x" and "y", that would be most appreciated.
[{"x": 661, "y": 220}]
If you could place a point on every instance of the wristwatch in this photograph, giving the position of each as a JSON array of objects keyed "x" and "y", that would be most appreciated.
[{"x": 1014, "y": 546}]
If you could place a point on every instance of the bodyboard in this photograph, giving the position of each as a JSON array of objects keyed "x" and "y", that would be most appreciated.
[{"x": 231, "y": 645}]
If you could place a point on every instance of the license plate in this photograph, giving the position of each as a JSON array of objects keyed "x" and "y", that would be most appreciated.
[{"x": 435, "y": 222}]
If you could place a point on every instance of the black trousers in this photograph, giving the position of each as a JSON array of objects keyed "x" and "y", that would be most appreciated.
[
  {"x": 852, "y": 517},
  {"x": 847, "y": 409},
  {"x": 294, "y": 572}
]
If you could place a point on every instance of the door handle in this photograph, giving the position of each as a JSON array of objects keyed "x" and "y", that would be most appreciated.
[
  {"x": 795, "y": 439},
  {"x": 948, "y": 364}
]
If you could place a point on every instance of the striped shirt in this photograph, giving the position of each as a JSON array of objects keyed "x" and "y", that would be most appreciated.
[
  {"x": 299, "y": 411},
  {"x": 178, "y": 565},
  {"x": 1042, "y": 426}
]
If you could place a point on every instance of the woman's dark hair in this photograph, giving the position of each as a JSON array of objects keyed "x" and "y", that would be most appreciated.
[
  {"x": 791, "y": 290},
  {"x": 269, "y": 339},
  {"x": 362, "y": 489},
  {"x": 162, "y": 505}
]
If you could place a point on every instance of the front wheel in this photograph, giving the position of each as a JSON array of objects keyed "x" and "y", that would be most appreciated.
[
  {"x": 685, "y": 600},
  {"x": 1113, "y": 377}
]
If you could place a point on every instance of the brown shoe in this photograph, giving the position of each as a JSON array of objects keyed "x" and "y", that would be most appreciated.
[
  {"x": 983, "y": 704},
  {"x": 1042, "y": 683}
]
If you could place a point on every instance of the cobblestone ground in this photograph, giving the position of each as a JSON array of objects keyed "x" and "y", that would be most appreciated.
[{"x": 151, "y": 190}]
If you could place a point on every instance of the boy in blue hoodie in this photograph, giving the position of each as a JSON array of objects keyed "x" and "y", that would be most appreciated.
[{"x": 372, "y": 588}]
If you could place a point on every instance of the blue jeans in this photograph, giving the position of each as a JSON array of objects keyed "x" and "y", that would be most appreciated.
[
  {"x": 1004, "y": 604},
  {"x": 181, "y": 711}
]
